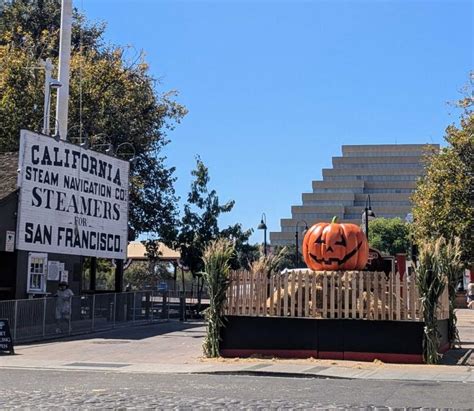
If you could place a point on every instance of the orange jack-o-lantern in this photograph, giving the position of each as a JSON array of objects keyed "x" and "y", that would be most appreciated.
[{"x": 334, "y": 246}]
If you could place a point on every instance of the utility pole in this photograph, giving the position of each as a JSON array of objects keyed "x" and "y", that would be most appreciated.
[
  {"x": 48, "y": 68},
  {"x": 64, "y": 63},
  {"x": 49, "y": 84}
]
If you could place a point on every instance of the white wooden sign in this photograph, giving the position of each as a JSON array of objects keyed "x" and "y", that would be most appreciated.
[{"x": 72, "y": 200}]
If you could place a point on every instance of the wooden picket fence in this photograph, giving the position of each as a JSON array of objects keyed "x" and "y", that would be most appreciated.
[{"x": 326, "y": 294}]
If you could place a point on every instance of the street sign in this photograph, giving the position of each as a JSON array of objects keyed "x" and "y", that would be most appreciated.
[{"x": 6, "y": 342}]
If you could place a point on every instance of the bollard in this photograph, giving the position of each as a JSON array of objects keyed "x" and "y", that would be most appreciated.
[
  {"x": 70, "y": 316},
  {"x": 93, "y": 312},
  {"x": 164, "y": 307},
  {"x": 44, "y": 316},
  {"x": 115, "y": 309},
  {"x": 152, "y": 306},
  {"x": 111, "y": 312},
  {"x": 147, "y": 305},
  {"x": 182, "y": 308},
  {"x": 134, "y": 300},
  {"x": 15, "y": 316}
]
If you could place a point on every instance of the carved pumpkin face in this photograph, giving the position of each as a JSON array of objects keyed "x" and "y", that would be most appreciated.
[{"x": 333, "y": 246}]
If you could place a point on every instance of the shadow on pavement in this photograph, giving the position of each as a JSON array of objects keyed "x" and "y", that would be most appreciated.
[
  {"x": 458, "y": 356},
  {"x": 137, "y": 332}
]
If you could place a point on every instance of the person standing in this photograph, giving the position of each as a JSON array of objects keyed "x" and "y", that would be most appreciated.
[
  {"x": 470, "y": 296},
  {"x": 63, "y": 305}
]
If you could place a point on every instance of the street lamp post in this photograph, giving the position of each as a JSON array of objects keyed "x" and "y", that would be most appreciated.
[
  {"x": 367, "y": 215},
  {"x": 263, "y": 226},
  {"x": 297, "y": 255}
]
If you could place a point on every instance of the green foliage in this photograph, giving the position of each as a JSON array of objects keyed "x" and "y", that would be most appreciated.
[
  {"x": 40, "y": 20},
  {"x": 430, "y": 281},
  {"x": 136, "y": 275},
  {"x": 185, "y": 280},
  {"x": 105, "y": 274},
  {"x": 443, "y": 201},
  {"x": 216, "y": 259},
  {"x": 287, "y": 257},
  {"x": 389, "y": 235},
  {"x": 272, "y": 262},
  {"x": 146, "y": 274},
  {"x": 443, "y": 209},
  {"x": 245, "y": 253},
  {"x": 113, "y": 99},
  {"x": 199, "y": 225}
]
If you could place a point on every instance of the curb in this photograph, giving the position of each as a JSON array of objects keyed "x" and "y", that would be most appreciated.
[{"x": 281, "y": 374}]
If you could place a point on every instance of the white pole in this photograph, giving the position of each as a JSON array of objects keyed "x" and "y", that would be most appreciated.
[
  {"x": 64, "y": 60},
  {"x": 48, "y": 68}
]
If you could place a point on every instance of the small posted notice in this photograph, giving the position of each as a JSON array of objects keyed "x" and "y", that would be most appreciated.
[{"x": 53, "y": 270}]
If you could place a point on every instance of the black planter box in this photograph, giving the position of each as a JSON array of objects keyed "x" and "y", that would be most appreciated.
[{"x": 364, "y": 340}]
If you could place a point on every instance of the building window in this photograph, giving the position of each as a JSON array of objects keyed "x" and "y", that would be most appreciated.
[{"x": 37, "y": 272}]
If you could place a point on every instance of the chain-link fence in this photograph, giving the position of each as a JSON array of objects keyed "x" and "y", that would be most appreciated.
[{"x": 40, "y": 318}]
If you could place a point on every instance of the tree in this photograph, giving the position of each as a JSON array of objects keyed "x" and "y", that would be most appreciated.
[
  {"x": 273, "y": 262},
  {"x": 199, "y": 224},
  {"x": 443, "y": 200},
  {"x": 389, "y": 235},
  {"x": 35, "y": 24},
  {"x": 145, "y": 274},
  {"x": 287, "y": 257},
  {"x": 113, "y": 99},
  {"x": 244, "y": 253},
  {"x": 105, "y": 274}
]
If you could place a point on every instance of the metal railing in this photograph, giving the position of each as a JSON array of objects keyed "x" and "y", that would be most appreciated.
[{"x": 37, "y": 319}]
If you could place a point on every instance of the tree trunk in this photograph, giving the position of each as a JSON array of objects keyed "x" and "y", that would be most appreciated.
[
  {"x": 200, "y": 288},
  {"x": 182, "y": 278}
]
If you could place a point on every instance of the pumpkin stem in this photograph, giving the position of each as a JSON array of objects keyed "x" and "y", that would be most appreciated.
[{"x": 334, "y": 219}]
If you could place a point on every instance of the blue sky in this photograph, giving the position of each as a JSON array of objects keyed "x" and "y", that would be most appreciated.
[{"x": 274, "y": 88}]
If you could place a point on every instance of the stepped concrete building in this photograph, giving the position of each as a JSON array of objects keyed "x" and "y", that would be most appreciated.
[{"x": 387, "y": 173}]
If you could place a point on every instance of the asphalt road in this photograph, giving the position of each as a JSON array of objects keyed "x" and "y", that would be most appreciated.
[{"x": 107, "y": 390}]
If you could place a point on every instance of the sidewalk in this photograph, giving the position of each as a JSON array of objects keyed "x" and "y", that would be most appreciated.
[
  {"x": 464, "y": 355},
  {"x": 175, "y": 347}
]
